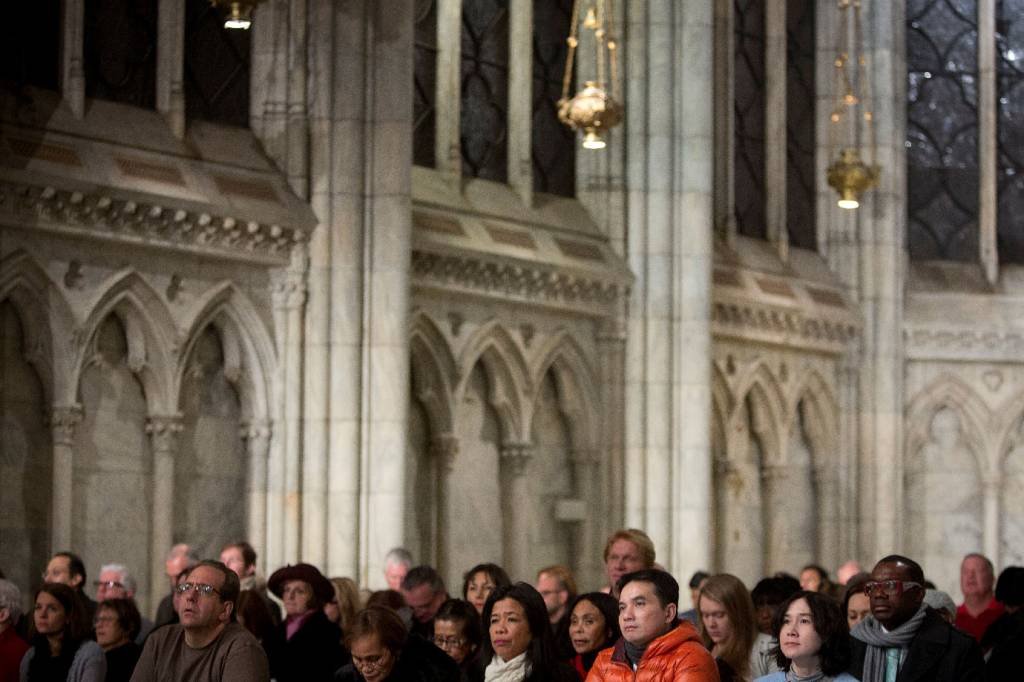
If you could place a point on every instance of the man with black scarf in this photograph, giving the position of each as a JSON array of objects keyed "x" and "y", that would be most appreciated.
[{"x": 903, "y": 640}]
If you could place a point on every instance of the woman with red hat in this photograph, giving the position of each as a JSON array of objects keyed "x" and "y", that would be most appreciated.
[{"x": 310, "y": 645}]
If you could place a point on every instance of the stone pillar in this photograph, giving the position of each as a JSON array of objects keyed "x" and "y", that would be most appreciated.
[
  {"x": 515, "y": 459},
  {"x": 63, "y": 421},
  {"x": 829, "y": 520},
  {"x": 612, "y": 364},
  {"x": 444, "y": 449},
  {"x": 775, "y": 126},
  {"x": 520, "y": 102},
  {"x": 776, "y": 495},
  {"x": 447, "y": 147},
  {"x": 72, "y": 81},
  {"x": 170, "y": 66},
  {"x": 589, "y": 533},
  {"x": 163, "y": 432},
  {"x": 298, "y": 117},
  {"x": 992, "y": 531},
  {"x": 988, "y": 141},
  {"x": 257, "y": 448}
]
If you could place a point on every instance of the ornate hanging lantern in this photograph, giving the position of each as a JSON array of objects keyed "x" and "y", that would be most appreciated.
[
  {"x": 237, "y": 15},
  {"x": 593, "y": 109},
  {"x": 849, "y": 174}
]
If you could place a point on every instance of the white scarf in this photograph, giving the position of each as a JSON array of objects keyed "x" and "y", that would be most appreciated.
[{"x": 513, "y": 670}]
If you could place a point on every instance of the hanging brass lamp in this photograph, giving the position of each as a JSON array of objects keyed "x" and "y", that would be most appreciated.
[
  {"x": 594, "y": 109},
  {"x": 237, "y": 15}
]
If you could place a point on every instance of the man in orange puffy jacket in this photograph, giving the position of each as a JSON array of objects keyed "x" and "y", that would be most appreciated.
[{"x": 655, "y": 644}]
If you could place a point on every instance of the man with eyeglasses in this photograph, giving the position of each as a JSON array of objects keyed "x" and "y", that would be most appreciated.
[
  {"x": 117, "y": 582},
  {"x": 903, "y": 639},
  {"x": 207, "y": 645}
]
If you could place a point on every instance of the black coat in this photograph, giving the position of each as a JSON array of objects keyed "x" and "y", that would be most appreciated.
[
  {"x": 938, "y": 653},
  {"x": 419, "y": 661},
  {"x": 1007, "y": 659},
  {"x": 312, "y": 654}
]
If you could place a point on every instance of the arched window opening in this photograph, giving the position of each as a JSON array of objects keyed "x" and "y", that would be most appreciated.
[
  {"x": 216, "y": 67},
  {"x": 554, "y": 149},
  {"x": 484, "y": 79},
  {"x": 120, "y": 51},
  {"x": 424, "y": 116}
]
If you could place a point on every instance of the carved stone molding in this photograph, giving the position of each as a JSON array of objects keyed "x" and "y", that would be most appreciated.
[
  {"x": 111, "y": 217},
  {"x": 753, "y": 321},
  {"x": 515, "y": 457},
  {"x": 63, "y": 421},
  {"x": 922, "y": 343},
  {"x": 164, "y": 430},
  {"x": 444, "y": 448},
  {"x": 289, "y": 288},
  {"x": 539, "y": 285}
]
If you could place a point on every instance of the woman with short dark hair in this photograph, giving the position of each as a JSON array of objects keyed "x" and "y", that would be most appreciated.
[
  {"x": 519, "y": 646},
  {"x": 58, "y": 633},
  {"x": 457, "y": 632},
  {"x": 117, "y": 624},
  {"x": 383, "y": 650},
  {"x": 479, "y": 581},
  {"x": 813, "y": 640},
  {"x": 593, "y": 626}
]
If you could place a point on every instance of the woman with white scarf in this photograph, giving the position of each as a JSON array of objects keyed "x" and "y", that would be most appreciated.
[
  {"x": 813, "y": 644},
  {"x": 519, "y": 646}
]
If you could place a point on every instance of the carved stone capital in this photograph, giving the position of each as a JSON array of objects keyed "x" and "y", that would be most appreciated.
[
  {"x": 163, "y": 431},
  {"x": 444, "y": 448},
  {"x": 63, "y": 421},
  {"x": 515, "y": 457}
]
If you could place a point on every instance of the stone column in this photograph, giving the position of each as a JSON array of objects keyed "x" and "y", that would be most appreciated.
[
  {"x": 992, "y": 485},
  {"x": 775, "y": 126},
  {"x": 589, "y": 534},
  {"x": 447, "y": 147},
  {"x": 257, "y": 448},
  {"x": 63, "y": 421},
  {"x": 163, "y": 432},
  {"x": 828, "y": 517},
  {"x": 612, "y": 364},
  {"x": 170, "y": 66},
  {"x": 72, "y": 81},
  {"x": 515, "y": 459},
  {"x": 776, "y": 494},
  {"x": 520, "y": 101},
  {"x": 444, "y": 448},
  {"x": 988, "y": 141}
]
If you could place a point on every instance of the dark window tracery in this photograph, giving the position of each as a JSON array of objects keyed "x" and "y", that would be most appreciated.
[
  {"x": 749, "y": 104},
  {"x": 30, "y": 44},
  {"x": 425, "y": 84},
  {"x": 553, "y": 153},
  {"x": 484, "y": 79},
  {"x": 942, "y": 129},
  {"x": 800, "y": 124},
  {"x": 216, "y": 67},
  {"x": 1010, "y": 87},
  {"x": 119, "y": 51}
]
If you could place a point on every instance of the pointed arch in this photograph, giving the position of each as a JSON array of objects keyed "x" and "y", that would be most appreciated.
[
  {"x": 821, "y": 416},
  {"x": 46, "y": 319},
  {"x": 574, "y": 379},
  {"x": 761, "y": 391},
  {"x": 507, "y": 375},
  {"x": 433, "y": 371},
  {"x": 249, "y": 351},
  {"x": 949, "y": 391},
  {"x": 152, "y": 336}
]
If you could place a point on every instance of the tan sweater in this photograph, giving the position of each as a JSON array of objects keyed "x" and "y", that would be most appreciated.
[{"x": 235, "y": 656}]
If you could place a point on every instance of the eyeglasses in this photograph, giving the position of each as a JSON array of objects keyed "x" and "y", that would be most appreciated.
[
  {"x": 104, "y": 619},
  {"x": 201, "y": 588},
  {"x": 449, "y": 642},
  {"x": 893, "y": 588},
  {"x": 370, "y": 662},
  {"x": 109, "y": 584}
]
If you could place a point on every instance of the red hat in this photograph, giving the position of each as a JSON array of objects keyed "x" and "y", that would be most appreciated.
[{"x": 308, "y": 573}]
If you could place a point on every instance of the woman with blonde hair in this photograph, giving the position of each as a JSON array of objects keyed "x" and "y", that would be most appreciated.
[
  {"x": 346, "y": 603},
  {"x": 728, "y": 626}
]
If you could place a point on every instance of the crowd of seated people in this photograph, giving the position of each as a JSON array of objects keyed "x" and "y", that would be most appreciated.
[{"x": 222, "y": 621}]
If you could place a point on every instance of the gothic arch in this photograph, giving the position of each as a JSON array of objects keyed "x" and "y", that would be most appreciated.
[
  {"x": 433, "y": 370},
  {"x": 767, "y": 402},
  {"x": 821, "y": 418},
  {"x": 46, "y": 322},
  {"x": 507, "y": 377},
  {"x": 573, "y": 376},
  {"x": 150, "y": 331},
  {"x": 949, "y": 392},
  {"x": 1011, "y": 432},
  {"x": 246, "y": 342}
]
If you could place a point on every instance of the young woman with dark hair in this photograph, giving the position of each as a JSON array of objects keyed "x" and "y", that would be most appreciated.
[
  {"x": 59, "y": 634},
  {"x": 593, "y": 626},
  {"x": 480, "y": 581},
  {"x": 519, "y": 646},
  {"x": 813, "y": 640}
]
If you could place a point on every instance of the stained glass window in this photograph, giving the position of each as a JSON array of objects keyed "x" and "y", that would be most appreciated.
[
  {"x": 800, "y": 124},
  {"x": 484, "y": 77},
  {"x": 120, "y": 51},
  {"x": 748, "y": 144},
  {"x": 425, "y": 84},
  {"x": 554, "y": 151},
  {"x": 1010, "y": 84},
  {"x": 216, "y": 67},
  {"x": 30, "y": 44},
  {"x": 942, "y": 129}
]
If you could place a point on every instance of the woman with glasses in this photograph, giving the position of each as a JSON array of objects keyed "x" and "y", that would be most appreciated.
[
  {"x": 117, "y": 624},
  {"x": 309, "y": 646},
  {"x": 457, "y": 632},
  {"x": 593, "y": 626},
  {"x": 480, "y": 581},
  {"x": 59, "y": 636},
  {"x": 813, "y": 640},
  {"x": 382, "y": 649},
  {"x": 519, "y": 646},
  {"x": 728, "y": 625}
]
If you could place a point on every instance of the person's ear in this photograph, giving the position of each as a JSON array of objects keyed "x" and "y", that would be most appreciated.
[
  {"x": 229, "y": 606},
  {"x": 670, "y": 613},
  {"x": 76, "y": 581}
]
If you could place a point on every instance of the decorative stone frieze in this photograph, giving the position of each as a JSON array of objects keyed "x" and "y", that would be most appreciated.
[
  {"x": 754, "y": 321},
  {"x": 103, "y": 215},
  {"x": 522, "y": 282},
  {"x": 960, "y": 345}
]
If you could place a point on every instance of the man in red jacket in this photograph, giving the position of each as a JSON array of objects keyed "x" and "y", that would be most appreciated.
[{"x": 655, "y": 644}]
